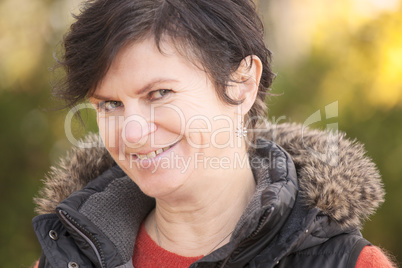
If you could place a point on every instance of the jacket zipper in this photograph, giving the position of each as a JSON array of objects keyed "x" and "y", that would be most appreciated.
[
  {"x": 254, "y": 233},
  {"x": 90, "y": 238},
  {"x": 259, "y": 226}
]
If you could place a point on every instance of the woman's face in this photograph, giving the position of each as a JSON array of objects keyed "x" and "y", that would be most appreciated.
[{"x": 162, "y": 122}]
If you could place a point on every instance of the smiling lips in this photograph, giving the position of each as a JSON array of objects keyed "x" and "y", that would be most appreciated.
[{"x": 153, "y": 153}]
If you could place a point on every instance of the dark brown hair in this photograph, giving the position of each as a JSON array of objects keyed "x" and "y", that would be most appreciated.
[{"x": 219, "y": 34}]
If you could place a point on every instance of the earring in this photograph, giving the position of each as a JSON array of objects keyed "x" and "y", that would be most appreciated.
[{"x": 241, "y": 130}]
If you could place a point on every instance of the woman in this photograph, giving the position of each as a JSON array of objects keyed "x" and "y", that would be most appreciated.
[{"x": 188, "y": 176}]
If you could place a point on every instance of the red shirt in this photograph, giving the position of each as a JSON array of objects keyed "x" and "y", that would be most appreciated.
[
  {"x": 372, "y": 257},
  {"x": 148, "y": 254}
]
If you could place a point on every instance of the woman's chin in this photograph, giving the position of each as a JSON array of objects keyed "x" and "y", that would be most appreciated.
[{"x": 159, "y": 183}]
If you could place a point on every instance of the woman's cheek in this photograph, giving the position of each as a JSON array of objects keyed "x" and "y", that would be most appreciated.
[
  {"x": 171, "y": 124},
  {"x": 198, "y": 132}
]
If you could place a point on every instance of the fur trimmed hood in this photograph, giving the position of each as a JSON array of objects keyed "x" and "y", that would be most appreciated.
[{"x": 333, "y": 172}]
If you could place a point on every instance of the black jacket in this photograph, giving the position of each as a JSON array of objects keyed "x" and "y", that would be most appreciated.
[{"x": 306, "y": 211}]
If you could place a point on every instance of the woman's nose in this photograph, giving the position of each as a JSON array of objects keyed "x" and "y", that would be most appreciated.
[{"x": 137, "y": 130}]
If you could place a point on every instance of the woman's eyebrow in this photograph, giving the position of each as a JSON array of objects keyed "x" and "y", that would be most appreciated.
[
  {"x": 152, "y": 83},
  {"x": 141, "y": 91},
  {"x": 99, "y": 97}
]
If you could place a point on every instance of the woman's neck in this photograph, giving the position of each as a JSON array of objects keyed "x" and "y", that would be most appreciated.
[{"x": 204, "y": 220}]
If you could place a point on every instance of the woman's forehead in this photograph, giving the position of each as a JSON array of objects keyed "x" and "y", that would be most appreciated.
[
  {"x": 147, "y": 52},
  {"x": 142, "y": 64}
]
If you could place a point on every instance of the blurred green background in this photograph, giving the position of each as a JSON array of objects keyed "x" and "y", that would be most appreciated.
[{"x": 349, "y": 51}]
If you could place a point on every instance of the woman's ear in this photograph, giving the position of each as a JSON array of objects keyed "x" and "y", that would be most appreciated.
[{"x": 247, "y": 80}]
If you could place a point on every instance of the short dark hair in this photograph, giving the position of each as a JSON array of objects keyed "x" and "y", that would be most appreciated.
[{"x": 220, "y": 34}]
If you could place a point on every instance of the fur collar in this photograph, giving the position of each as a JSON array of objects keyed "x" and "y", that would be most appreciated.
[{"x": 333, "y": 172}]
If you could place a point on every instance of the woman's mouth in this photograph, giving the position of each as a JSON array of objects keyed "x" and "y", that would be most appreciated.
[{"x": 153, "y": 154}]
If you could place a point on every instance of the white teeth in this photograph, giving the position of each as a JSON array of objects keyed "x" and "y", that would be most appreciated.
[{"x": 152, "y": 154}]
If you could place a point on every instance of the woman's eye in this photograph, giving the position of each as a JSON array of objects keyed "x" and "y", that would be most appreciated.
[
  {"x": 159, "y": 94},
  {"x": 110, "y": 105}
]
